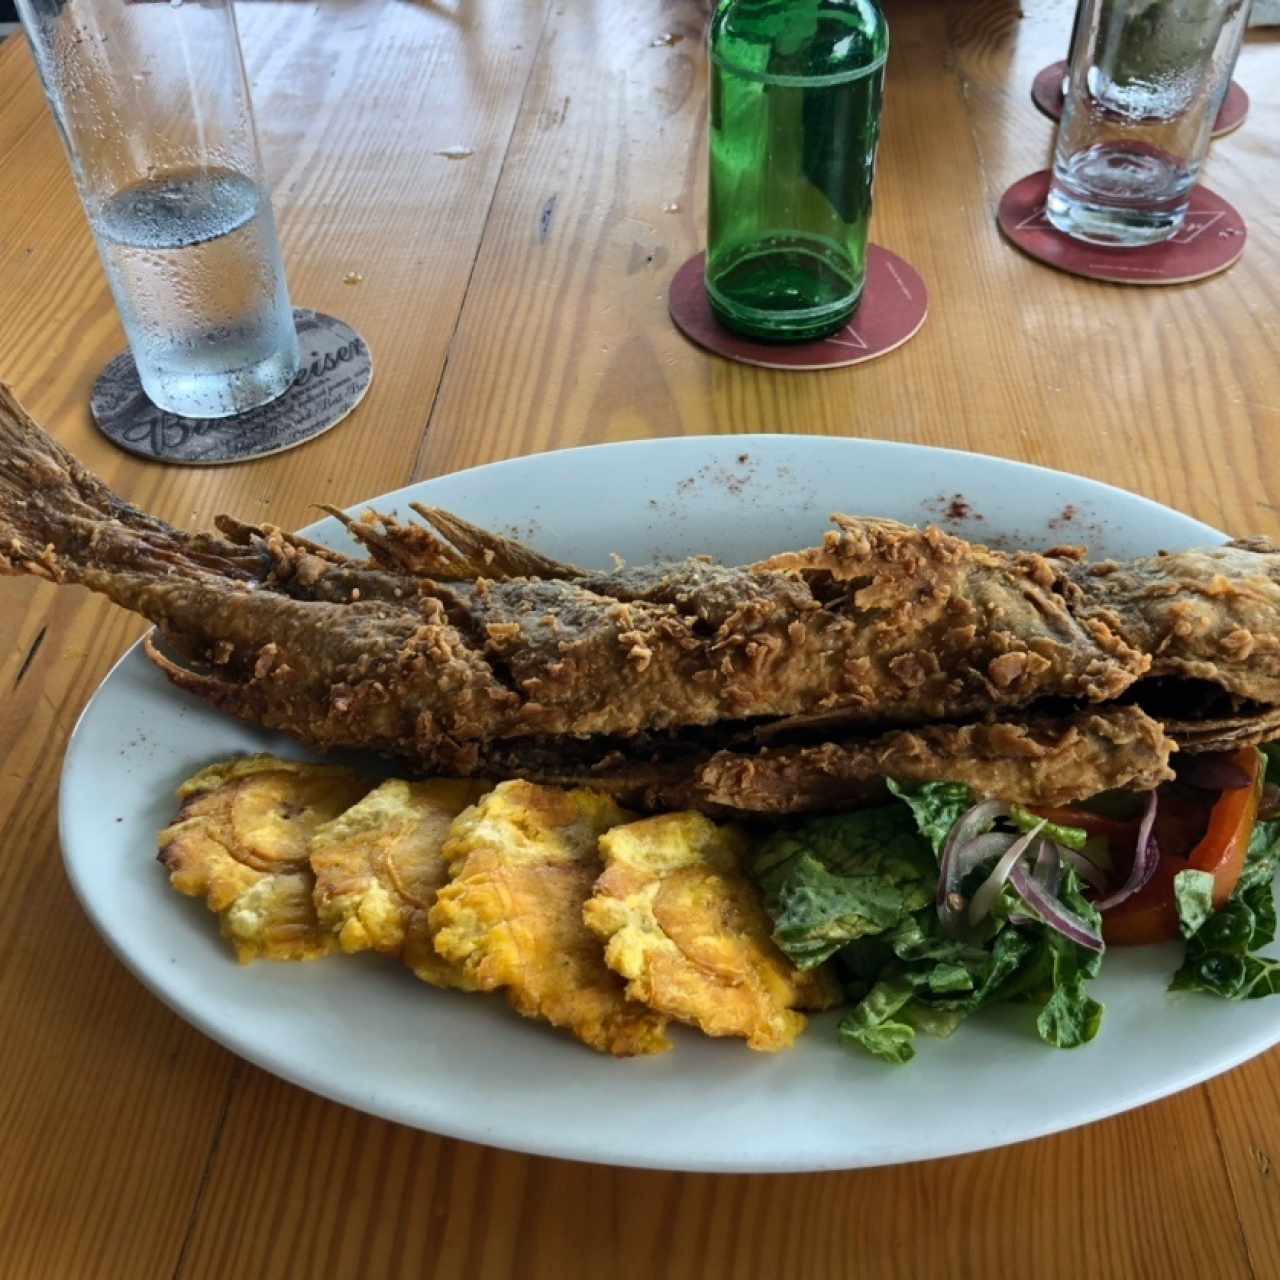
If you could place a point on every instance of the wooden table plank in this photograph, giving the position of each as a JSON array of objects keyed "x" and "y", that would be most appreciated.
[
  {"x": 1245, "y": 1105},
  {"x": 567, "y": 321},
  {"x": 298, "y": 1182},
  {"x": 564, "y": 339},
  {"x": 114, "y": 1105},
  {"x": 176, "y": 1158},
  {"x": 1109, "y": 369}
]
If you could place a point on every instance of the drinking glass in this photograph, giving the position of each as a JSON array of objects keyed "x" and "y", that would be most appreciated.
[
  {"x": 152, "y": 103},
  {"x": 1147, "y": 78}
]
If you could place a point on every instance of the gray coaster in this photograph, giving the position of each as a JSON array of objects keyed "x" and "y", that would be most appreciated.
[{"x": 335, "y": 373}]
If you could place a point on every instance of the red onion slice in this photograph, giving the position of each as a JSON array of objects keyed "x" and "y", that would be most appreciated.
[
  {"x": 957, "y": 860},
  {"x": 980, "y": 849},
  {"x": 1048, "y": 866},
  {"x": 1089, "y": 872},
  {"x": 985, "y": 898},
  {"x": 1052, "y": 912},
  {"x": 993, "y": 845},
  {"x": 1145, "y": 857},
  {"x": 1047, "y": 869}
]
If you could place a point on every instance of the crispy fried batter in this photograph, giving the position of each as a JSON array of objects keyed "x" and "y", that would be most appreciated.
[
  {"x": 1228, "y": 733},
  {"x": 378, "y": 866},
  {"x": 1039, "y": 760},
  {"x": 888, "y": 623},
  {"x": 449, "y": 644},
  {"x": 1049, "y": 760},
  {"x": 1211, "y": 615},
  {"x": 687, "y": 930},
  {"x": 524, "y": 860},
  {"x": 240, "y": 842}
]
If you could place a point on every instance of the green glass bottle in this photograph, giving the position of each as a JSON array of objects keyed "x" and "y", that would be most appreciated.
[{"x": 796, "y": 92}]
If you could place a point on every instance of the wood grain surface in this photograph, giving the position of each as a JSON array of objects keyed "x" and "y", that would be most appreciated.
[{"x": 515, "y": 301}]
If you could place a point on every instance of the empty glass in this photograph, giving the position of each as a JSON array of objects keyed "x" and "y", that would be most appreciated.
[
  {"x": 1146, "y": 80},
  {"x": 152, "y": 103}
]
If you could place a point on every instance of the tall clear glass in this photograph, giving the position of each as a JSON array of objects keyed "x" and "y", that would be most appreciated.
[
  {"x": 1146, "y": 81},
  {"x": 152, "y": 102}
]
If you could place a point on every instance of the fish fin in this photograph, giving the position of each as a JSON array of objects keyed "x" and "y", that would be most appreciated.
[{"x": 490, "y": 554}]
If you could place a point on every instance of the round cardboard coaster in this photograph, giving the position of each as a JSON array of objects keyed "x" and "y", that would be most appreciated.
[
  {"x": 1046, "y": 93},
  {"x": 893, "y": 307},
  {"x": 1211, "y": 238},
  {"x": 334, "y": 375}
]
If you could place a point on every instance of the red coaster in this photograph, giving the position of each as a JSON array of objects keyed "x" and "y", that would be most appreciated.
[
  {"x": 1046, "y": 93},
  {"x": 893, "y": 307},
  {"x": 1210, "y": 240}
]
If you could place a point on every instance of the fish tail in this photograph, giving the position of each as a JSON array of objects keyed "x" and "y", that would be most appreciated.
[{"x": 59, "y": 521}]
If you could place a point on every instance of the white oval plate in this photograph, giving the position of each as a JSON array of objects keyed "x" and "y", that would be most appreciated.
[{"x": 362, "y": 1031}]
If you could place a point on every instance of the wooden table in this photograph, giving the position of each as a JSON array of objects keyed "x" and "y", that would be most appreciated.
[{"x": 515, "y": 301}]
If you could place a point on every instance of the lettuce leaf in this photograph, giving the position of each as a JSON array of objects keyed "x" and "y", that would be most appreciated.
[
  {"x": 873, "y": 1027},
  {"x": 935, "y": 807},
  {"x": 1053, "y": 973},
  {"x": 831, "y": 881},
  {"x": 1262, "y": 858},
  {"x": 931, "y": 983},
  {"x": 1033, "y": 962},
  {"x": 1070, "y": 1017},
  {"x": 1193, "y": 894},
  {"x": 816, "y": 913},
  {"x": 1219, "y": 957},
  {"x": 860, "y": 887}
]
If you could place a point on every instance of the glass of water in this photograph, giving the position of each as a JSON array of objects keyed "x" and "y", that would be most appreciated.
[
  {"x": 151, "y": 100},
  {"x": 1147, "y": 78}
]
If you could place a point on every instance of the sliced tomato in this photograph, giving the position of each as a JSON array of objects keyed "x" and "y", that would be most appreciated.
[{"x": 1151, "y": 915}]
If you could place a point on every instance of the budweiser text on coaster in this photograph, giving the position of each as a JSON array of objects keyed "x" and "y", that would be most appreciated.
[
  {"x": 1145, "y": 83},
  {"x": 153, "y": 105}
]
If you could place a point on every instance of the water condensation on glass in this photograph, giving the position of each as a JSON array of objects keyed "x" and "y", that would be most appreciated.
[
  {"x": 1153, "y": 66},
  {"x": 1146, "y": 82},
  {"x": 195, "y": 268},
  {"x": 153, "y": 106}
]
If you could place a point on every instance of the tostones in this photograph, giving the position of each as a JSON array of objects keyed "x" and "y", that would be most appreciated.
[
  {"x": 524, "y": 860},
  {"x": 687, "y": 930},
  {"x": 378, "y": 866},
  {"x": 240, "y": 841}
]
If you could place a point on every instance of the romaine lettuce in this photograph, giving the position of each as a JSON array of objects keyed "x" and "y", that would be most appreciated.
[
  {"x": 1220, "y": 944},
  {"x": 861, "y": 887}
]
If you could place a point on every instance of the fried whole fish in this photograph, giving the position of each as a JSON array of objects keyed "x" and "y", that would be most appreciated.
[{"x": 465, "y": 653}]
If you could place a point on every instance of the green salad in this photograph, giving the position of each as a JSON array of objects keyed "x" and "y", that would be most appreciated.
[{"x": 935, "y": 905}]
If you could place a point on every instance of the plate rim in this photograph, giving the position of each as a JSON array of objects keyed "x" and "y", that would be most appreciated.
[
  {"x": 573, "y": 1145},
  {"x": 903, "y": 446}
]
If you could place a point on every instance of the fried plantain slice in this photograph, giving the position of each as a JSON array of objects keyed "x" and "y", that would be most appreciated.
[
  {"x": 524, "y": 860},
  {"x": 686, "y": 928},
  {"x": 378, "y": 866},
  {"x": 240, "y": 841}
]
